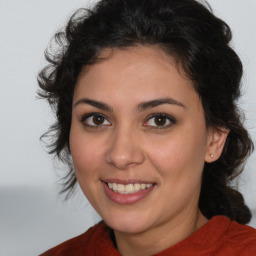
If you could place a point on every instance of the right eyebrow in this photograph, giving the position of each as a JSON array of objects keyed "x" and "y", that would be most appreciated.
[
  {"x": 156, "y": 102},
  {"x": 94, "y": 103}
]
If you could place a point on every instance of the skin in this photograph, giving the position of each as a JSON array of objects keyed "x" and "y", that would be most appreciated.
[{"x": 128, "y": 143}]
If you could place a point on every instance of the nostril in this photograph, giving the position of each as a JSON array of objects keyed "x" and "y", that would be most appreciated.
[{"x": 124, "y": 151}]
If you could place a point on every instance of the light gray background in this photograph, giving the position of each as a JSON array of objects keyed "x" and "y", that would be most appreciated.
[{"x": 33, "y": 217}]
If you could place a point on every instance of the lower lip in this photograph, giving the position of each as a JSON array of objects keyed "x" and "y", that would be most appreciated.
[{"x": 126, "y": 198}]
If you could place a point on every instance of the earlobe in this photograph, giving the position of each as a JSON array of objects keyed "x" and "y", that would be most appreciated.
[{"x": 217, "y": 138}]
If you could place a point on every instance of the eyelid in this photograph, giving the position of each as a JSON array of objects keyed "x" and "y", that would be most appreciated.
[
  {"x": 170, "y": 118},
  {"x": 92, "y": 114},
  {"x": 167, "y": 116}
]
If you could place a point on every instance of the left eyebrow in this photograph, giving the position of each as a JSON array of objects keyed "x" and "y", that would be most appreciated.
[
  {"x": 154, "y": 103},
  {"x": 94, "y": 103}
]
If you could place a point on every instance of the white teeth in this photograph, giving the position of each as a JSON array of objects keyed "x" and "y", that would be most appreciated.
[
  {"x": 120, "y": 187},
  {"x": 143, "y": 186},
  {"x": 129, "y": 188},
  {"x": 114, "y": 186},
  {"x": 136, "y": 187}
]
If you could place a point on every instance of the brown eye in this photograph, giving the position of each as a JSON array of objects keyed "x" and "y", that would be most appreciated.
[
  {"x": 160, "y": 121},
  {"x": 95, "y": 120},
  {"x": 98, "y": 120}
]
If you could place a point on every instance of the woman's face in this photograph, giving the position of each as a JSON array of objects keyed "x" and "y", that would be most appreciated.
[{"x": 138, "y": 140}]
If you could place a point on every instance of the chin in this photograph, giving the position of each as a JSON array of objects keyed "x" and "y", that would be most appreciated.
[{"x": 132, "y": 224}]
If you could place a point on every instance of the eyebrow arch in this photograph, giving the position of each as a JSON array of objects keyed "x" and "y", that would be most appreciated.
[
  {"x": 154, "y": 103},
  {"x": 94, "y": 103},
  {"x": 141, "y": 107}
]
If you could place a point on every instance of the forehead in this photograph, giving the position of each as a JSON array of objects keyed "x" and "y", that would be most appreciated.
[
  {"x": 141, "y": 55},
  {"x": 139, "y": 73}
]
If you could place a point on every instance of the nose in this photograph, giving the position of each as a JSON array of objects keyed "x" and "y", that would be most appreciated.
[{"x": 125, "y": 150}]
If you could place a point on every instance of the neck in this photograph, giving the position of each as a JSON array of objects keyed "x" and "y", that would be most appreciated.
[{"x": 162, "y": 237}]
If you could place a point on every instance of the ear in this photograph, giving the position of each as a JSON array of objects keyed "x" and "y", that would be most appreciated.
[{"x": 216, "y": 141}]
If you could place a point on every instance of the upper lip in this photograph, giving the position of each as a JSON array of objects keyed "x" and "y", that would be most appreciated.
[{"x": 126, "y": 181}]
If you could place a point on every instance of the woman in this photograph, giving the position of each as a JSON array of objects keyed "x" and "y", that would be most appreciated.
[{"x": 145, "y": 97}]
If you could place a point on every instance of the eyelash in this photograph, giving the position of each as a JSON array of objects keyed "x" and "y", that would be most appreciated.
[
  {"x": 87, "y": 116},
  {"x": 169, "y": 118}
]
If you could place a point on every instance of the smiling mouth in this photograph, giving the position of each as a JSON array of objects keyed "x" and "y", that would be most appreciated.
[
  {"x": 127, "y": 192},
  {"x": 128, "y": 188}
]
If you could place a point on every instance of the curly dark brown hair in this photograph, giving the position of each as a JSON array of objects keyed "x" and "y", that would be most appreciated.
[{"x": 185, "y": 30}]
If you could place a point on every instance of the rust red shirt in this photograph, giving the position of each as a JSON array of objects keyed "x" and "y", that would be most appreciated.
[{"x": 219, "y": 237}]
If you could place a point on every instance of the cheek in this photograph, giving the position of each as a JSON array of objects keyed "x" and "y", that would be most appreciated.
[
  {"x": 179, "y": 155},
  {"x": 86, "y": 154},
  {"x": 83, "y": 156}
]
